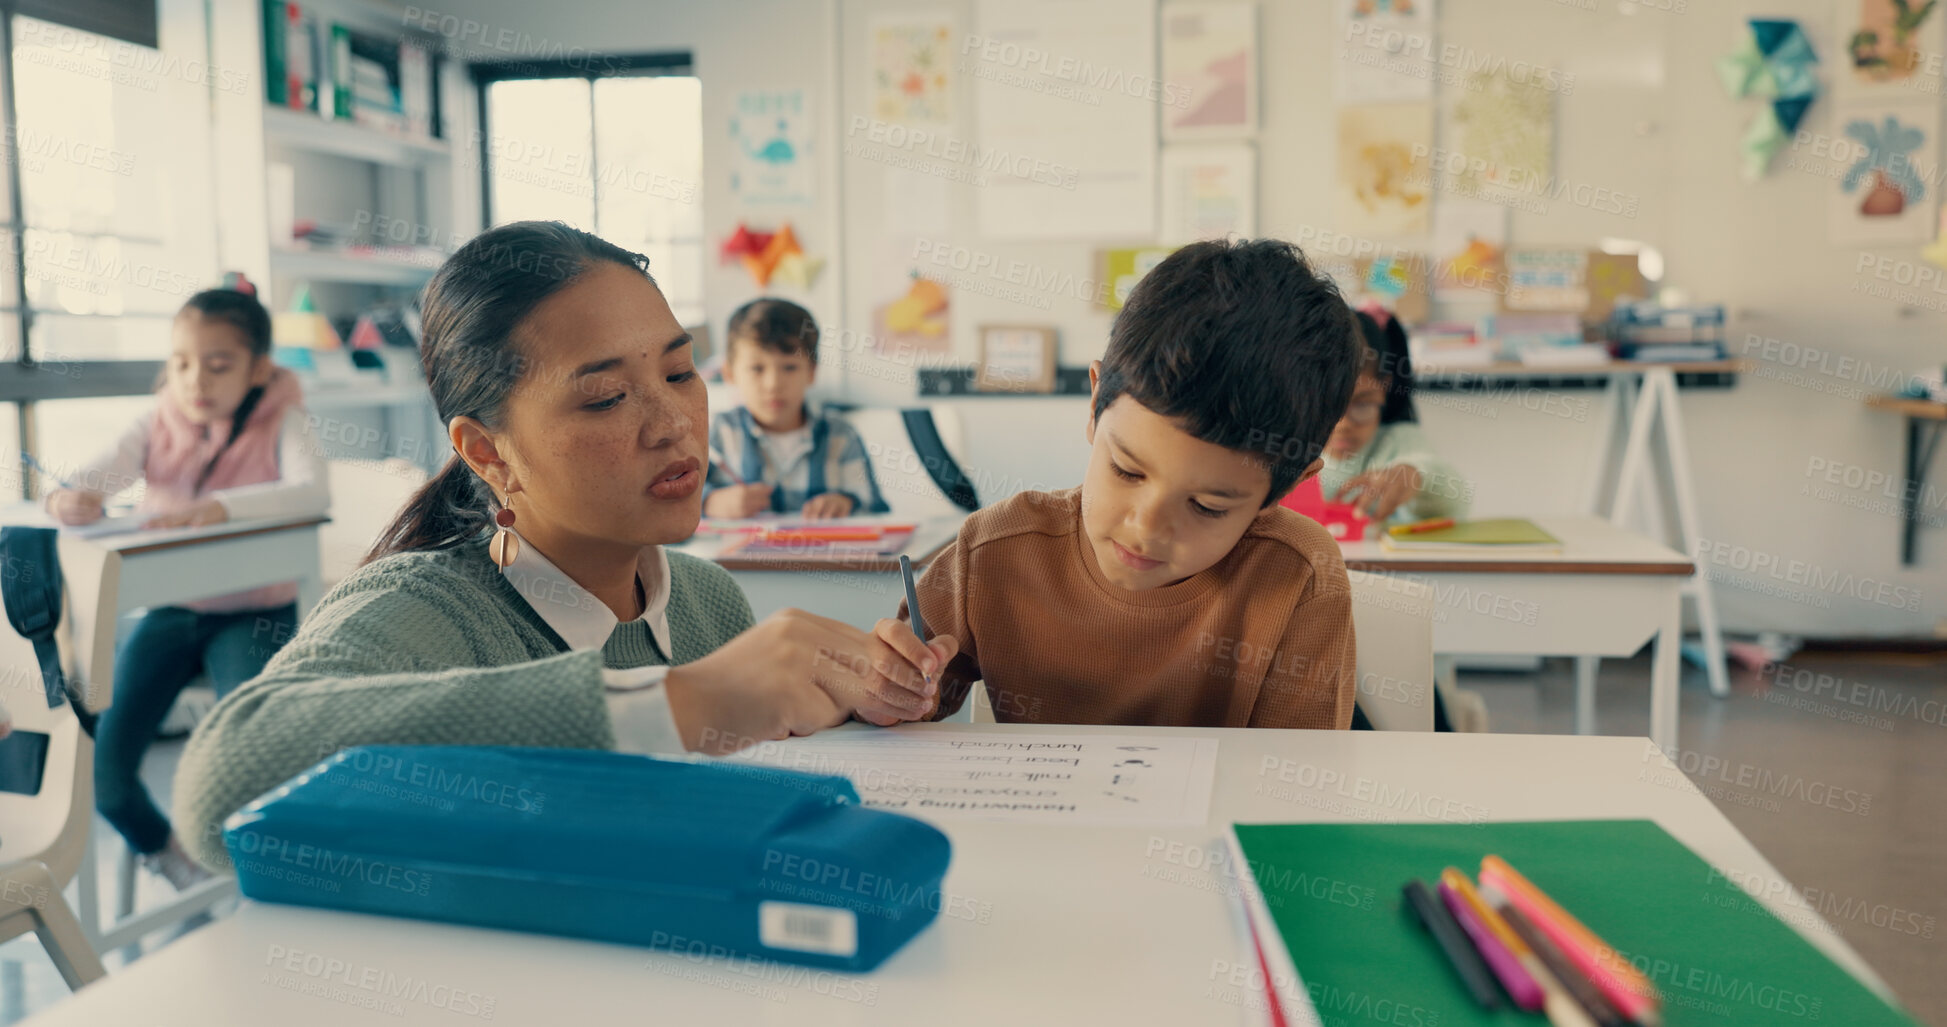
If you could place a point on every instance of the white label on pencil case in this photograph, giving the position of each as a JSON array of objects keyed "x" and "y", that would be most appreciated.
[{"x": 823, "y": 929}]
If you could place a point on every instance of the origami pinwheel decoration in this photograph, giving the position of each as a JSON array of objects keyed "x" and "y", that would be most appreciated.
[
  {"x": 772, "y": 255},
  {"x": 1776, "y": 64}
]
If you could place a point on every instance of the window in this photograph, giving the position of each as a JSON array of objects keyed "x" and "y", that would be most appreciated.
[
  {"x": 616, "y": 152},
  {"x": 114, "y": 169},
  {"x": 112, "y": 143}
]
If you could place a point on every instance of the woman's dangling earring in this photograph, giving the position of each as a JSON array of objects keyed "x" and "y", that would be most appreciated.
[{"x": 505, "y": 545}]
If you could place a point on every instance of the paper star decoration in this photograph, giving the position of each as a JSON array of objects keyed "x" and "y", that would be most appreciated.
[
  {"x": 772, "y": 255},
  {"x": 1775, "y": 64}
]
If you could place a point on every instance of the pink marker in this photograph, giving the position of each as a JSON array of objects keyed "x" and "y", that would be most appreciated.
[{"x": 1507, "y": 968}]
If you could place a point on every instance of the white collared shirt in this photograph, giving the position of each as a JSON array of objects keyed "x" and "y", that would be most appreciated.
[{"x": 638, "y": 706}]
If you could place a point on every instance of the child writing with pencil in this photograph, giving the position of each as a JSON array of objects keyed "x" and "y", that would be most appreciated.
[
  {"x": 1377, "y": 458},
  {"x": 1170, "y": 588},
  {"x": 227, "y": 439},
  {"x": 773, "y": 454}
]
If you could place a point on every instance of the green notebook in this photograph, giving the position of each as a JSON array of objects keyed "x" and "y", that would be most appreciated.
[
  {"x": 1502, "y": 532},
  {"x": 1715, "y": 954}
]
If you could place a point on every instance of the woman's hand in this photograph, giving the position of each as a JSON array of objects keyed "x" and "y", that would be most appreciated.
[
  {"x": 1378, "y": 493},
  {"x": 795, "y": 673},
  {"x": 74, "y": 506},
  {"x": 825, "y": 505},
  {"x": 209, "y": 511},
  {"x": 738, "y": 501}
]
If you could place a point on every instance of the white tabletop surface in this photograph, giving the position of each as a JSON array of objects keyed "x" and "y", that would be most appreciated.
[
  {"x": 1049, "y": 925},
  {"x": 1584, "y": 537},
  {"x": 31, "y": 515}
]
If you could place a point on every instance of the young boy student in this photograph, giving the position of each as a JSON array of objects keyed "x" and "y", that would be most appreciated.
[
  {"x": 1170, "y": 587},
  {"x": 773, "y": 455}
]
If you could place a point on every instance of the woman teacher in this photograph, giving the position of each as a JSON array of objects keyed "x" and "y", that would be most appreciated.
[{"x": 523, "y": 596}]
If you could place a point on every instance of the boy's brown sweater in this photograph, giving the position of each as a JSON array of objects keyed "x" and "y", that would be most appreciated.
[{"x": 1261, "y": 639}]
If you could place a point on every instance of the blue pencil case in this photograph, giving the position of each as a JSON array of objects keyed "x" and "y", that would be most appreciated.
[{"x": 705, "y": 858}]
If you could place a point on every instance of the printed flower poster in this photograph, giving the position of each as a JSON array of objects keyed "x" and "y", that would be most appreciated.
[
  {"x": 912, "y": 70},
  {"x": 1889, "y": 48},
  {"x": 1384, "y": 190},
  {"x": 1887, "y": 193}
]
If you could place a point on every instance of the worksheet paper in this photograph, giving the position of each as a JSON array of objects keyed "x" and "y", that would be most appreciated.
[{"x": 1018, "y": 776}]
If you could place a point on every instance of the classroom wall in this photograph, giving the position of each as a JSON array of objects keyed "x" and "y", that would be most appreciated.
[{"x": 1646, "y": 117}]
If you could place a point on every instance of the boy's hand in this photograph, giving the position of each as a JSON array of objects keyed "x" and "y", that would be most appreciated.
[
  {"x": 830, "y": 504},
  {"x": 74, "y": 506},
  {"x": 209, "y": 511},
  {"x": 738, "y": 501},
  {"x": 909, "y": 663},
  {"x": 1382, "y": 491}
]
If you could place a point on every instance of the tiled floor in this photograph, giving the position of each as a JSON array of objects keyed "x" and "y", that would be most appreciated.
[{"x": 1866, "y": 735}]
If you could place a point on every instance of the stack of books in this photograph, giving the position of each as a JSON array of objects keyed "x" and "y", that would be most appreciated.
[{"x": 1656, "y": 333}]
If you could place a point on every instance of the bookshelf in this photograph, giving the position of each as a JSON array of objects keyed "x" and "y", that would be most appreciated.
[
  {"x": 299, "y": 130},
  {"x": 360, "y": 203}
]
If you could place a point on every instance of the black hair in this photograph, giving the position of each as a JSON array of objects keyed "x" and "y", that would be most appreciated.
[
  {"x": 1387, "y": 359},
  {"x": 780, "y": 326},
  {"x": 1244, "y": 345},
  {"x": 471, "y": 312},
  {"x": 235, "y": 304}
]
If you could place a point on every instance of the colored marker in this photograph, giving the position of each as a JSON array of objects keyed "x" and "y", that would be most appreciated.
[
  {"x": 1415, "y": 528},
  {"x": 1628, "y": 990},
  {"x": 1546, "y": 992},
  {"x": 1453, "y": 941},
  {"x": 1520, "y": 986},
  {"x": 1580, "y": 988}
]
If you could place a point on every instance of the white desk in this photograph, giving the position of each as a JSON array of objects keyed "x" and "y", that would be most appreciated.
[
  {"x": 110, "y": 575},
  {"x": 1643, "y": 396},
  {"x": 855, "y": 590},
  {"x": 1606, "y": 593},
  {"x": 1081, "y": 925}
]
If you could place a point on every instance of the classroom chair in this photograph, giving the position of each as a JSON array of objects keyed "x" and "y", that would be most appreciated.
[
  {"x": 44, "y": 841},
  {"x": 912, "y": 458},
  {"x": 1393, "y": 621}
]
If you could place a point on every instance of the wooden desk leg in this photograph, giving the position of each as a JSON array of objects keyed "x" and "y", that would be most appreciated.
[{"x": 1666, "y": 668}]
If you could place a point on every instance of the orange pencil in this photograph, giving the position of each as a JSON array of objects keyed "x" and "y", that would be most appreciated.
[
  {"x": 865, "y": 534},
  {"x": 1632, "y": 994}
]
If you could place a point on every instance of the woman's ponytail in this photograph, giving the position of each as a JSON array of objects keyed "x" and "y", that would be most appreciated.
[{"x": 445, "y": 512}]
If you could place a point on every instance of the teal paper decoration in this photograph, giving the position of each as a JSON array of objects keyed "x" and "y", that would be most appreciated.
[{"x": 1776, "y": 64}]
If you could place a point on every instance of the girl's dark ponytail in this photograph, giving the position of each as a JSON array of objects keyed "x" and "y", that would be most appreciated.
[
  {"x": 1390, "y": 359},
  {"x": 471, "y": 310}
]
